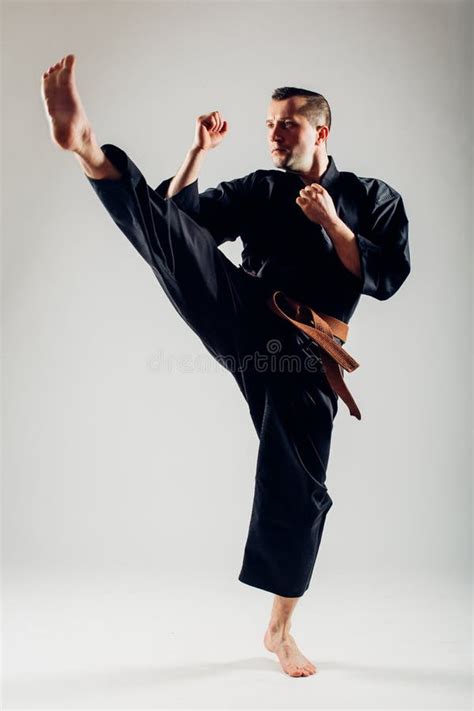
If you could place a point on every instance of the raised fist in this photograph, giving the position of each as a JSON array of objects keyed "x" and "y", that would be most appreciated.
[{"x": 210, "y": 130}]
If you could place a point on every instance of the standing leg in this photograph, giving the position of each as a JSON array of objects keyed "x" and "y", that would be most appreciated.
[
  {"x": 293, "y": 411},
  {"x": 291, "y": 499}
]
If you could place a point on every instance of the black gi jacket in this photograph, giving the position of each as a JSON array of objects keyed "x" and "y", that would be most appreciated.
[{"x": 292, "y": 253}]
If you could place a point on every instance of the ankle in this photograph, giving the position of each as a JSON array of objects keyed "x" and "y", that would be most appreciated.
[
  {"x": 95, "y": 163},
  {"x": 280, "y": 628}
]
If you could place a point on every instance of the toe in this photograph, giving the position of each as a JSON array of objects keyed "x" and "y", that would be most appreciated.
[
  {"x": 292, "y": 671},
  {"x": 69, "y": 61}
]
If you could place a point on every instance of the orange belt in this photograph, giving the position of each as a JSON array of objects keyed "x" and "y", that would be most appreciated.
[{"x": 321, "y": 328}]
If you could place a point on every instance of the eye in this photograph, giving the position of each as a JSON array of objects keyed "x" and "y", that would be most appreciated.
[{"x": 287, "y": 124}]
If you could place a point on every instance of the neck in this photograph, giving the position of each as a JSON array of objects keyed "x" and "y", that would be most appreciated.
[{"x": 319, "y": 167}]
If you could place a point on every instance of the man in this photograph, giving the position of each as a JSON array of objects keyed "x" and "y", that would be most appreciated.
[{"x": 313, "y": 235}]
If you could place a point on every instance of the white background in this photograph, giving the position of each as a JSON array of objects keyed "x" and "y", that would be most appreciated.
[{"x": 116, "y": 469}]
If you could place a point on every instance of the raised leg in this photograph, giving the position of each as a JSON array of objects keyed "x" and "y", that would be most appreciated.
[{"x": 202, "y": 284}]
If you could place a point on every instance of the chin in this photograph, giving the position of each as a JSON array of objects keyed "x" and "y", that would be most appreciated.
[{"x": 279, "y": 161}]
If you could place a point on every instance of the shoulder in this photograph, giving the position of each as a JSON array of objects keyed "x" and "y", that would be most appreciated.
[
  {"x": 260, "y": 176},
  {"x": 258, "y": 183},
  {"x": 375, "y": 189}
]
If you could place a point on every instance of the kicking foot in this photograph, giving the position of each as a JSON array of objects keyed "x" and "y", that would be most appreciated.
[
  {"x": 70, "y": 127},
  {"x": 292, "y": 661}
]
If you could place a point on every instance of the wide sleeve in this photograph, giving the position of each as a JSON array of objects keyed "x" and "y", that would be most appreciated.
[
  {"x": 187, "y": 199},
  {"x": 222, "y": 210},
  {"x": 383, "y": 247}
]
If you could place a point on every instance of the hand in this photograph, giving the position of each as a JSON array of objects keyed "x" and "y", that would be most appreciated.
[
  {"x": 317, "y": 205},
  {"x": 210, "y": 130}
]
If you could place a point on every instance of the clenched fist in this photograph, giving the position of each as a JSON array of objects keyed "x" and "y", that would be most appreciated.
[
  {"x": 317, "y": 205},
  {"x": 210, "y": 130}
]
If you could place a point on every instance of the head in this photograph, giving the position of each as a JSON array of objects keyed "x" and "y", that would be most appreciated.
[{"x": 298, "y": 123}]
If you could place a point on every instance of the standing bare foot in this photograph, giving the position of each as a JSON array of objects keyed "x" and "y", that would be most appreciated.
[{"x": 292, "y": 661}]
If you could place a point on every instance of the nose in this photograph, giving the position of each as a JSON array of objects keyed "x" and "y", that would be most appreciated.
[{"x": 274, "y": 134}]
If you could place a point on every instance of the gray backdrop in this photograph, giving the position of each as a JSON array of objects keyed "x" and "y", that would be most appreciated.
[{"x": 114, "y": 462}]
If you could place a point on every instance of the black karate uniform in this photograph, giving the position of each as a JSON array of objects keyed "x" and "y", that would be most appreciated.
[{"x": 292, "y": 406}]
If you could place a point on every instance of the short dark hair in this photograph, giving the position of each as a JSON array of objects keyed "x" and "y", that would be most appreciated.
[{"x": 316, "y": 109}]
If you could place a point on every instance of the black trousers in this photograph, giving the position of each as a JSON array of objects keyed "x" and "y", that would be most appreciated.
[{"x": 276, "y": 368}]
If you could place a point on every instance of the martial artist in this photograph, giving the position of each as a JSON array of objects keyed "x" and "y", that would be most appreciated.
[{"x": 315, "y": 239}]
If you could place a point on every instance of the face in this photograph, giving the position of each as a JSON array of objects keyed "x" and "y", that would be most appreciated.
[{"x": 292, "y": 139}]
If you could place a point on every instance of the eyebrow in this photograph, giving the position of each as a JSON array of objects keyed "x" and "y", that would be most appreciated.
[{"x": 283, "y": 118}]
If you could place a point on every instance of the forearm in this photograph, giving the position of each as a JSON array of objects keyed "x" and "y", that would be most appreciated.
[
  {"x": 345, "y": 244},
  {"x": 188, "y": 172}
]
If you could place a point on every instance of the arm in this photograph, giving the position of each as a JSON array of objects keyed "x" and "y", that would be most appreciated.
[
  {"x": 383, "y": 249},
  {"x": 218, "y": 209},
  {"x": 221, "y": 209},
  {"x": 188, "y": 173},
  {"x": 209, "y": 131},
  {"x": 345, "y": 244},
  {"x": 378, "y": 261}
]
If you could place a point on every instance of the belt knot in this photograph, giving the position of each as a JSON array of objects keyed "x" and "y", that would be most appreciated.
[{"x": 321, "y": 328}]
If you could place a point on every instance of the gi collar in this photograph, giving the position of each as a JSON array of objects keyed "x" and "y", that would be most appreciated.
[{"x": 330, "y": 175}]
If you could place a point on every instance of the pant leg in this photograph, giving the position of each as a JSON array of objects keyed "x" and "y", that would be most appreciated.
[
  {"x": 202, "y": 284},
  {"x": 291, "y": 499}
]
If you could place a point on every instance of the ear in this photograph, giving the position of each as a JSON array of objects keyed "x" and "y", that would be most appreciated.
[{"x": 322, "y": 134}]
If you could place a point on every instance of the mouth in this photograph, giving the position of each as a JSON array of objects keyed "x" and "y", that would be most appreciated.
[{"x": 279, "y": 150}]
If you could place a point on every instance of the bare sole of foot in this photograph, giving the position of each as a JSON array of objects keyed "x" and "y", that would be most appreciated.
[
  {"x": 292, "y": 661},
  {"x": 70, "y": 127}
]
